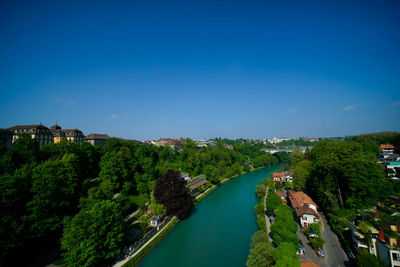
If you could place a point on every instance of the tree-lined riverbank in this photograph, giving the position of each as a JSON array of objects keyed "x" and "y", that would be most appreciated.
[{"x": 219, "y": 230}]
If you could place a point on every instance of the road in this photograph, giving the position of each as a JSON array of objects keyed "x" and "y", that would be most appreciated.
[{"x": 334, "y": 254}]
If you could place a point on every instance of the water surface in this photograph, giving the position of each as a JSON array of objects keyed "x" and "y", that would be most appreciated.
[{"x": 219, "y": 231}]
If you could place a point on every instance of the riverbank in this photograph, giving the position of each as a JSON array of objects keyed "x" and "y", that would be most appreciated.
[{"x": 149, "y": 246}]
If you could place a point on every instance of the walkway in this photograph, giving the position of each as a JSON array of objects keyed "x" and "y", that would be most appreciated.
[
  {"x": 122, "y": 262},
  {"x": 266, "y": 217}
]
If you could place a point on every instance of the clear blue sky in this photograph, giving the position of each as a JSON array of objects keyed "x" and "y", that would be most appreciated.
[{"x": 201, "y": 69}]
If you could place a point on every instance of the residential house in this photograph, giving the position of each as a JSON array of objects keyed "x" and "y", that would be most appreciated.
[
  {"x": 360, "y": 242},
  {"x": 395, "y": 166},
  {"x": 39, "y": 132},
  {"x": 388, "y": 250},
  {"x": 304, "y": 208},
  {"x": 278, "y": 176},
  {"x": 204, "y": 143},
  {"x": 195, "y": 183},
  {"x": 168, "y": 142},
  {"x": 97, "y": 139},
  {"x": 155, "y": 221},
  {"x": 387, "y": 149},
  {"x": 186, "y": 176}
]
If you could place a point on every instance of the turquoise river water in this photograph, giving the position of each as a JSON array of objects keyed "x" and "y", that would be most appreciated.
[{"x": 218, "y": 233}]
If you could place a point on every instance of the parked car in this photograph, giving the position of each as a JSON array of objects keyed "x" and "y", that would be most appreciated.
[{"x": 321, "y": 253}]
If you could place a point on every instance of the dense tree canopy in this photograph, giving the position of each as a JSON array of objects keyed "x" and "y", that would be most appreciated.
[
  {"x": 94, "y": 237},
  {"x": 42, "y": 186},
  {"x": 344, "y": 175},
  {"x": 171, "y": 192}
]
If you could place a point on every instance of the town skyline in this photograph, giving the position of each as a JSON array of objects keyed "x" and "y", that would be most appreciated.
[{"x": 202, "y": 70}]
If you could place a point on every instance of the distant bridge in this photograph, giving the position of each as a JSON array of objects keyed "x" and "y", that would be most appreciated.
[{"x": 303, "y": 149}]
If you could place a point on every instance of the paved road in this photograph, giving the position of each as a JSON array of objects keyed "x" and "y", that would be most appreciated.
[{"x": 335, "y": 255}]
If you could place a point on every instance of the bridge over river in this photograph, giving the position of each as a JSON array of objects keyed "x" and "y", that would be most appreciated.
[{"x": 274, "y": 150}]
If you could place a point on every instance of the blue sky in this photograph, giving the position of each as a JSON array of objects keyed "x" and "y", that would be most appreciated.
[{"x": 201, "y": 69}]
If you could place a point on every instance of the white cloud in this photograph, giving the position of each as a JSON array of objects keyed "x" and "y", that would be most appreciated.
[
  {"x": 114, "y": 116},
  {"x": 294, "y": 110},
  {"x": 349, "y": 107}
]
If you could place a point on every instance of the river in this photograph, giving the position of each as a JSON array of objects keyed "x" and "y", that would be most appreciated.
[{"x": 218, "y": 233}]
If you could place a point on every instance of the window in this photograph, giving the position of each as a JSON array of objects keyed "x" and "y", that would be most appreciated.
[{"x": 396, "y": 256}]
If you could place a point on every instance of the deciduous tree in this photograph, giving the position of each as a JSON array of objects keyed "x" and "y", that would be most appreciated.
[{"x": 172, "y": 193}]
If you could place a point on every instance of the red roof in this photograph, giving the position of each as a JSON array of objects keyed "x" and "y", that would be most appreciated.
[
  {"x": 278, "y": 174},
  {"x": 309, "y": 264},
  {"x": 305, "y": 210},
  {"x": 299, "y": 199},
  {"x": 387, "y": 146}
]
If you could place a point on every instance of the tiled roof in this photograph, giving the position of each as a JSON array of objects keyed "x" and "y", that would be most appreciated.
[
  {"x": 299, "y": 199},
  {"x": 17, "y": 127},
  {"x": 387, "y": 146},
  {"x": 305, "y": 210},
  {"x": 96, "y": 136},
  {"x": 308, "y": 264},
  {"x": 72, "y": 131},
  {"x": 278, "y": 174}
]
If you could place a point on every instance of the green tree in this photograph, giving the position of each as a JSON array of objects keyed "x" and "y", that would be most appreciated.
[
  {"x": 259, "y": 236},
  {"x": 26, "y": 149},
  {"x": 93, "y": 237},
  {"x": 301, "y": 174},
  {"x": 158, "y": 209},
  {"x": 260, "y": 191},
  {"x": 285, "y": 255},
  {"x": 365, "y": 259},
  {"x": 296, "y": 156},
  {"x": 260, "y": 255},
  {"x": 15, "y": 190},
  {"x": 259, "y": 208},
  {"x": 54, "y": 190},
  {"x": 273, "y": 201}
]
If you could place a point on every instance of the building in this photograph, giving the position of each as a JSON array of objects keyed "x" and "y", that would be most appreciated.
[
  {"x": 204, "y": 143},
  {"x": 168, "y": 142},
  {"x": 388, "y": 251},
  {"x": 97, "y": 139},
  {"x": 195, "y": 183},
  {"x": 155, "y": 221},
  {"x": 395, "y": 166},
  {"x": 58, "y": 134},
  {"x": 39, "y": 132},
  {"x": 387, "y": 149},
  {"x": 186, "y": 176},
  {"x": 278, "y": 176},
  {"x": 7, "y": 137},
  {"x": 304, "y": 208},
  {"x": 74, "y": 135},
  {"x": 308, "y": 264}
]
